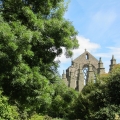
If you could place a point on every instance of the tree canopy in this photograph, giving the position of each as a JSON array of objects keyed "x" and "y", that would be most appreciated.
[
  {"x": 32, "y": 34},
  {"x": 100, "y": 100}
]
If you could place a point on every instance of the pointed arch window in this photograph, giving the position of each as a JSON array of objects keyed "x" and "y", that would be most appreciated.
[{"x": 85, "y": 73}]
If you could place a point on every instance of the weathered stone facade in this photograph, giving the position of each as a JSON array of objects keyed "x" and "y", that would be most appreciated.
[{"x": 83, "y": 70}]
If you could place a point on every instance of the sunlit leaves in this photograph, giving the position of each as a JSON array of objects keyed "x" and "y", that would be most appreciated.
[
  {"x": 32, "y": 34},
  {"x": 7, "y": 111}
]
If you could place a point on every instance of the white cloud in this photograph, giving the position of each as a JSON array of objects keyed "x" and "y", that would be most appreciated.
[
  {"x": 84, "y": 44},
  {"x": 99, "y": 21},
  {"x": 92, "y": 48},
  {"x": 111, "y": 51}
]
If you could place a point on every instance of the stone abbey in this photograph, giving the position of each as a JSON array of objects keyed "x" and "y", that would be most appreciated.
[{"x": 84, "y": 69}]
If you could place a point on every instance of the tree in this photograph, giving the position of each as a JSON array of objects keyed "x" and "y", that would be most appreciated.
[
  {"x": 114, "y": 85},
  {"x": 32, "y": 34},
  {"x": 91, "y": 100},
  {"x": 100, "y": 100},
  {"x": 63, "y": 102}
]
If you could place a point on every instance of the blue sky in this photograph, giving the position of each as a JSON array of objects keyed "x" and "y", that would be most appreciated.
[{"x": 98, "y": 26}]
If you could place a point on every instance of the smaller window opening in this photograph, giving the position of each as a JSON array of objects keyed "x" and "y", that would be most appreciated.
[{"x": 87, "y": 57}]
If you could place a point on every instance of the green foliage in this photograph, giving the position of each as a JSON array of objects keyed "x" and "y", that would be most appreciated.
[
  {"x": 59, "y": 119},
  {"x": 114, "y": 86},
  {"x": 107, "y": 113},
  {"x": 100, "y": 100},
  {"x": 63, "y": 101},
  {"x": 36, "y": 117},
  {"x": 39, "y": 117},
  {"x": 32, "y": 34},
  {"x": 7, "y": 111}
]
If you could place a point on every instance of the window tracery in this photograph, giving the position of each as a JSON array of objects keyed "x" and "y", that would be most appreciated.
[{"x": 85, "y": 73}]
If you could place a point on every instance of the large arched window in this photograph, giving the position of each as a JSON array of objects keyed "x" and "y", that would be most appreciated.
[{"x": 85, "y": 73}]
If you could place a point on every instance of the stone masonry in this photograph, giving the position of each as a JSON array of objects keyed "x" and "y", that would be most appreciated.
[{"x": 84, "y": 69}]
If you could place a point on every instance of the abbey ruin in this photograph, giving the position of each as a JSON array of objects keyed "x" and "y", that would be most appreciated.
[{"x": 83, "y": 70}]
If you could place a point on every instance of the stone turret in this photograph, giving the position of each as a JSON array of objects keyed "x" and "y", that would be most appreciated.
[
  {"x": 72, "y": 62},
  {"x": 80, "y": 79},
  {"x": 101, "y": 69},
  {"x": 90, "y": 73},
  {"x": 63, "y": 75},
  {"x": 113, "y": 62},
  {"x": 64, "y": 78}
]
